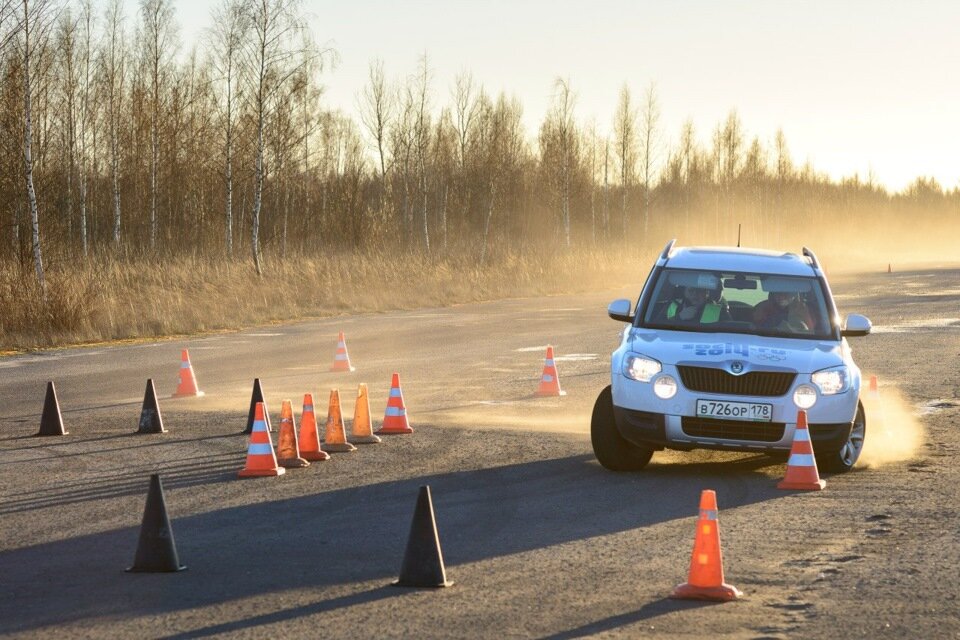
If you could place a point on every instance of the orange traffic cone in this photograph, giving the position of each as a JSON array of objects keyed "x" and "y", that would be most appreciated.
[
  {"x": 362, "y": 432},
  {"x": 802, "y": 465},
  {"x": 261, "y": 460},
  {"x": 395, "y": 417},
  {"x": 705, "y": 581},
  {"x": 288, "y": 449},
  {"x": 186, "y": 381},
  {"x": 335, "y": 437},
  {"x": 549, "y": 382},
  {"x": 341, "y": 361},
  {"x": 309, "y": 438}
]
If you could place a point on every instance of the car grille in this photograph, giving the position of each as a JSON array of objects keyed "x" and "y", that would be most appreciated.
[
  {"x": 732, "y": 429},
  {"x": 754, "y": 383}
]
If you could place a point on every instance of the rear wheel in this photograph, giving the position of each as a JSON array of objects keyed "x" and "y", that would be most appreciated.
[
  {"x": 612, "y": 450},
  {"x": 844, "y": 458}
]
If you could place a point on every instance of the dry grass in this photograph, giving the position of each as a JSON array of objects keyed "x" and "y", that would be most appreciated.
[{"x": 109, "y": 299}]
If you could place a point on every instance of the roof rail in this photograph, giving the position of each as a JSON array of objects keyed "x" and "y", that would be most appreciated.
[
  {"x": 813, "y": 257},
  {"x": 667, "y": 249}
]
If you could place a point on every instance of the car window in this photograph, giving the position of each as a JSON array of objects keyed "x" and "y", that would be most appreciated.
[{"x": 719, "y": 301}]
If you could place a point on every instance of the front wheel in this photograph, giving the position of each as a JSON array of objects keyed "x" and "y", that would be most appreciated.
[
  {"x": 612, "y": 450},
  {"x": 844, "y": 458}
]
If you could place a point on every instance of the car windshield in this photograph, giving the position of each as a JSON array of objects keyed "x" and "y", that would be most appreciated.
[{"x": 720, "y": 301}]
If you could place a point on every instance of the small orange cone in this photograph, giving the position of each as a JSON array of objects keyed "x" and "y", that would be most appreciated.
[
  {"x": 341, "y": 361},
  {"x": 261, "y": 460},
  {"x": 395, "y": 418},
  {"x": 889, "y": 270},
  {"x": 186, "y": 381},
  {"x": 309, "y": 438},
  {"x": 705, "y": 581},
  {"x": 288, "y": 449},
  {"x": 549, "y": 381},
  {"x": 362, "y": 432},
  {"x": 335, "y": 437},
  {"x": 802, "y": 465}
]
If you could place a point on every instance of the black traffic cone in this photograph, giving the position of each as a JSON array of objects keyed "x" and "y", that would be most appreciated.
[
  {"x": 156, "y": 551},
  {"x": 255, "y": 397},
  {"x": 51, "y": 422},
  {"x": 423, "y": 561},
  {"x": 150, "y": 419}
]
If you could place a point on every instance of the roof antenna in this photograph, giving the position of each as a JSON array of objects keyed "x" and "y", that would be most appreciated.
[{"x": 738, "y": 235}]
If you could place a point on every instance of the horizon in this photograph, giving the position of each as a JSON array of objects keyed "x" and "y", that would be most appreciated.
[{"x": 888, "y": 116}]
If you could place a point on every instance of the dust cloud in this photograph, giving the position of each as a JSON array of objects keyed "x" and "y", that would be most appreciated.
[{"x": 894, "y": 432}]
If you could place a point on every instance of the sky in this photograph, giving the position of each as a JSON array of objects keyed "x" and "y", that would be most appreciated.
[{"x": 858, "y": 87}]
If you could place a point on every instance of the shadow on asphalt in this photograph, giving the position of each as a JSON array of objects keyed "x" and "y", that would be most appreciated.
[
  {"x": 347, "y": 536},
  {"x": 646, "y": 612}
]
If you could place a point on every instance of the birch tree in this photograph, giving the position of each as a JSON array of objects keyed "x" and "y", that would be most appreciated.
[
  {"x": 35, "y": 21},
  {"x": 649, "y": 150},
  {"x": 114, "y": 76},
  {"x": 158, "y": 38},
  {"x": 231, "y": 27},
  {"x": 625, "y": 148},
  {"x": 274, "y": 52}
]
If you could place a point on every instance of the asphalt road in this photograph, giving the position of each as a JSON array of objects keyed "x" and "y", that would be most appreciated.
[{"x": 540, "y": 540}]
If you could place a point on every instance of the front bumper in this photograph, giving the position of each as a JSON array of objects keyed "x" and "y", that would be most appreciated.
[{"x": 664, "y": 431}]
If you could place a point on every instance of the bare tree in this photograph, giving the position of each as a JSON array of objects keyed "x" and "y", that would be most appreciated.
[
  {"x": 558, "y": 137},
  {"x": 376, "y": 112},
  {"x": 274, "y": 52},
  {"x": 230, "y": 28},
  {"x": 85, "y": 112},
  {"x": 114, "y": 77},
  {"x": 649, "y": 149},
  {"x": 422, "y": 137},
  {"x": 67, "y": 69},
  {"x": 158, "y": 38},
  {"x": 36, "y": 17},
  {"x": 625, "y": 149}
]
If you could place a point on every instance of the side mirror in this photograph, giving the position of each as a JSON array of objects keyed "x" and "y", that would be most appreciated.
[
  {"x": 620, "y": 310},
  {"x": 856, "y": 325}
]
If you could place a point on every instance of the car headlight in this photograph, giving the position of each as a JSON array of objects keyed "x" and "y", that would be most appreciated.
[
  {"x": 640, "y": 368},
  {"x": 665, "y": 387},
  {"x": 805, "y": 396},
  {"x": 831, "y": 381}
]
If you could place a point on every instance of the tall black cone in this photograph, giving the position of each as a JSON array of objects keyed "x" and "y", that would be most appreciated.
[
  {"x": 150, "y": 419},
  {"x": 51, "y": 422},
  {"x": 423, "y": 561},
  {"x": 156, "y": 551},
  {"x": 255, "y": 397}
]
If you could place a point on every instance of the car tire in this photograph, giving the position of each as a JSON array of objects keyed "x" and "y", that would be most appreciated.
[
  {"x": 842, "y": 459},
  {"x": 612, "y": 450}
]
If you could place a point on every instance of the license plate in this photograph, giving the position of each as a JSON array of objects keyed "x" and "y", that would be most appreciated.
[{"x": 754, "y": 411}]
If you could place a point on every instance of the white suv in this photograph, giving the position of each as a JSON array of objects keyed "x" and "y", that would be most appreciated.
[{"x": 725, "y": 346}]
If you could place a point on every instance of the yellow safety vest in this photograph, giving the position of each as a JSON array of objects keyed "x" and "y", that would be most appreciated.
[{"x": 710, "y": 313}]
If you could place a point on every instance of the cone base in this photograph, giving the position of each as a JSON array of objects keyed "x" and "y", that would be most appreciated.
[
  {"x": 150, "y": 431},
  {"x": 58, "y": 433},
  {"x": 261, "y": 473},
  {"x": 182, "y": 567},
  {"x": 393, "y": 431},
  {"x": 338, "y": 447},
  {"x": 345, "y": 369},
  {"x": 293, "y": 463},
  {"x": 365, "y": 439},
  {"x": 400, "y": 583},
  {"x": 802, "y": 486},
  {"x": 723, "y": 593},
  {"x": 315, "y": 456},
  {"x": 188, "y": 395},
  {"x": 550, "y": 394}
]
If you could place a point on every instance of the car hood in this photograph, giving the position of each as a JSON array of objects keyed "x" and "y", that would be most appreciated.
[{"x": 724, "y": 350}]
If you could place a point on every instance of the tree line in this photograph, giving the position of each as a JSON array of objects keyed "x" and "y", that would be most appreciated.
[{"x": 117, "y": 142}]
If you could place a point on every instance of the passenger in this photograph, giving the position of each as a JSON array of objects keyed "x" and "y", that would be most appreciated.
[
  {"x": 783, "y": 310},
  {"x": 696, "y": 305}
]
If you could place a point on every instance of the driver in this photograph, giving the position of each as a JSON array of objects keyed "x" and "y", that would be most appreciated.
[
  {"x": 696, "y": 305},
  {"x": 783, "y": 310}
]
